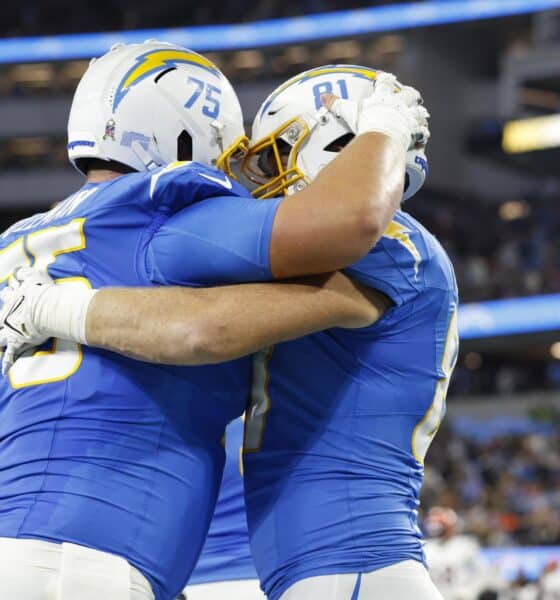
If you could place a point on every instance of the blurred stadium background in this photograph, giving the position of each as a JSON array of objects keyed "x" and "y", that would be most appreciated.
[{"x": 489, "y": 71}]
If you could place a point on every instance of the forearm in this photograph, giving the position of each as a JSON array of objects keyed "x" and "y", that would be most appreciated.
[
  {"x": 183, "y": 326},
  {"x": 345, "y": 209},
  {"x": 148, "y": 324},
  {"x": 373, "y": 192},
  {"x": 201, "y": 326}
]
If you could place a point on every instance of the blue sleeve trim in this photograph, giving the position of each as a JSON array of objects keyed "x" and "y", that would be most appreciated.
[{"x": 266, "y": 236}]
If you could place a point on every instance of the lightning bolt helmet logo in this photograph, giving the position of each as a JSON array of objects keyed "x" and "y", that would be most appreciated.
[{"x": 155, "y": 61}]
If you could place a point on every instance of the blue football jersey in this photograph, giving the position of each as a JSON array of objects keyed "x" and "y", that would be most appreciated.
[
  {"x": 101, "y": 450},
  {"x": 226, "y": 554},
  {"x": 340, "y": 422}
]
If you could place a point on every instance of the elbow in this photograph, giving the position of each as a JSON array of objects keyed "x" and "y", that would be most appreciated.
[
  {"x": 200, "y": 344},
  {"x": 365, "y": 233},
  {"x": 182, "y": 344},
  {"x": 373, "y": 224}
]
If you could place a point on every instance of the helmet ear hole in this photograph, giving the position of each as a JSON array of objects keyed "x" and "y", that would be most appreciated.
[
  {"x": 340, "y": 142},
  {"x": 184, "y": 146}
]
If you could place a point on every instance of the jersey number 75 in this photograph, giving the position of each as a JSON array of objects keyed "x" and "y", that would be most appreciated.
[{"x": 40, "y": 249}]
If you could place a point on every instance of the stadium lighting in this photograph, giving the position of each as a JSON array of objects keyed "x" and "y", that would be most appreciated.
[
  {"x": 274, "y": 32},
  {"x": 514, "y": 209},
  {"x": 555, "y": 350},
  {"x": 509, "y": 316},
  {"x": 528, "y": 135}
]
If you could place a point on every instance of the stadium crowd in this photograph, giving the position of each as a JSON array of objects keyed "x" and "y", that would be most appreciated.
[
  {"x": 496, "y": 483},
  {"x": 505, "y": 487},
  {"x": 519, "y": 257},
  {"x": 484, "y": 374}
]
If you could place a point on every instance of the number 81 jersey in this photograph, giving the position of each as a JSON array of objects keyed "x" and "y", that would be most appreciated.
[
  {"x": 340, "y": 423},
  {"x": 95, "y": 448}
]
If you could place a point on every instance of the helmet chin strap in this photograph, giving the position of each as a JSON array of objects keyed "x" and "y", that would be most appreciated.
[{"x": 149, "y": 159}]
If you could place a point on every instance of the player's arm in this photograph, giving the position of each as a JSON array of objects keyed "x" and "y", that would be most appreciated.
[
  {"x": 190, "y": 326},
  {"x": 332, "y": 223},
  {"x": 343, "y": 212},
  {"x": 341, "y": 215},
  {"x": 211, "y": 325}
]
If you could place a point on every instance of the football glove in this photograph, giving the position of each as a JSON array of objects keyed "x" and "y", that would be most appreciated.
[
  {"x": 17, "y": 329},
  {"x": 392, "y": 109}
]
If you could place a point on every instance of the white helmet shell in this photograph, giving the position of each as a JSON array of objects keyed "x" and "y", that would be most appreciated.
[
  {"x": 134, "y": 102},
  {"x": 293, "y": 113}
]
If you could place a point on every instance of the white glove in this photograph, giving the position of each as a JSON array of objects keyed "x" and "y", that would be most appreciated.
[
  {"x": 35, "y": 309},
  {"x": 17, "y": 329},
  {"x": 392, "y": 109}
]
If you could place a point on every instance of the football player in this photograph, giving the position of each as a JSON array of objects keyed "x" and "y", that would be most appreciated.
[
  {"x": 455, "y": 561},
  {"x": 224, "y": 568},
  {"x": 339, "y": 427},
  {"x": 341, "y": 504},
  {"x": 110, "y": 469}
]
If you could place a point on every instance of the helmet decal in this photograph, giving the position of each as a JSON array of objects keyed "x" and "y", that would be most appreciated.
[
  {"x": 355, "y": 71},
  {"x": 110, "y": 130},
  {"x": 400, "y": 233},
  {"x": 155, "y": 61},
  {"x": 101, "y": 125},
  {"x": 295, "y": 137}
]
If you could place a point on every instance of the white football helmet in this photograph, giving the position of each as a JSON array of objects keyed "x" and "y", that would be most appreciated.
[
  {"x": 135, "y": 103},
  {"x": 293, "y": 119}
]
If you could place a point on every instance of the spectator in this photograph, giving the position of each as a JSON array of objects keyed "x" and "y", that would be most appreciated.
[{"x": 504, "y": 489}]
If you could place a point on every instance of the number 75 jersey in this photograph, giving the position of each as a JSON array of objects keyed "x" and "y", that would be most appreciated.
[
  {"x": 101, "y": 450},
  {"x": 340, "y": 423}
]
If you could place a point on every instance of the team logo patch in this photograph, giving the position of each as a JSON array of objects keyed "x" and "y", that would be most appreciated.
[
  {"x": 156, "y": 61},
  {"x": 109, "y": 130},
  {"x": 401, "y": 234}
]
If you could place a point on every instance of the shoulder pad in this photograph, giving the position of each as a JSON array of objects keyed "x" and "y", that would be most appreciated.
[{"x": 183, "y": 183}]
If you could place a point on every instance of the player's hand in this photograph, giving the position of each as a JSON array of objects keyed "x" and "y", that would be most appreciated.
[
  {"x": 393, "y": 109},
  {"x": 17, "y": 330}
]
